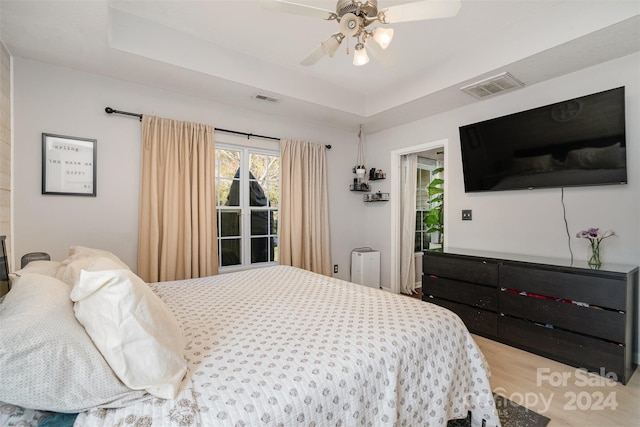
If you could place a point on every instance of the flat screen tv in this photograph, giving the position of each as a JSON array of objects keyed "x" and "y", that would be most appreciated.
[{"x": 577, "y": 142}]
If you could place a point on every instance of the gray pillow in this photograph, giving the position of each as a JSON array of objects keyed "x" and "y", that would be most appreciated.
[{"x": 47, "y": 360}]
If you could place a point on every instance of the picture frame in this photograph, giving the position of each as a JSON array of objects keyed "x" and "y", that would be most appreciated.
[{"x": 68, "y": 165}]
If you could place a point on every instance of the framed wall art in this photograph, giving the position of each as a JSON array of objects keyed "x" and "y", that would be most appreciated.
[{"x": 68, "y": 165}]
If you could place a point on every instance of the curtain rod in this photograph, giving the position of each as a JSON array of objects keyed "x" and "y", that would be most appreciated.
[{"x": 110, "y": 110}]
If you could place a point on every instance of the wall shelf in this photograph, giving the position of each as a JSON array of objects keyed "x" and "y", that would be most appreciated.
[
  {"x": 376, "y": 197},
  {"x": 376, "y": 174},
  {"x": 362, "y": 186}
]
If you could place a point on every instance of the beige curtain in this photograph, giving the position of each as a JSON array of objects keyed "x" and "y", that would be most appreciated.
[
  {"x": 177, "y": 230},
  {"x": 408, "y": 218},
  {"x": 304, "y": 211}
]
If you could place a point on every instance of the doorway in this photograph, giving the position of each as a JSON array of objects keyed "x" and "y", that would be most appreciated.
[{"x": 396, "y": 187}]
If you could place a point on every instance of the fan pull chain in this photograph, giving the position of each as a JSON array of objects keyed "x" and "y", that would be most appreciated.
[{"x": 348, "y": 52}]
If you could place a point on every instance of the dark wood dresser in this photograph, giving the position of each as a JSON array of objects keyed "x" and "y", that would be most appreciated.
[{"x": 567, "y": 312}]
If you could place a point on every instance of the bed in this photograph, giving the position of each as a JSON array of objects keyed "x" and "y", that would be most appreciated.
[{"x": 275, "y": 346}]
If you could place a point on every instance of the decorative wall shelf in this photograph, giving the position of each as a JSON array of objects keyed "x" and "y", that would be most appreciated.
[
  {"x": 361, "y": 186},
  {"x": 376, "y": 174},
  {"x": 376, "y": 197}
]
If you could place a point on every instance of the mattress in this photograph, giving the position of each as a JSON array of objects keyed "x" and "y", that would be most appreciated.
[{"x": 281, "y": 346}]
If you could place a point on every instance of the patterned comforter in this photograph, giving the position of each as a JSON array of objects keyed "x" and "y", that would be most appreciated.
[{"x": 280, "y": 346}]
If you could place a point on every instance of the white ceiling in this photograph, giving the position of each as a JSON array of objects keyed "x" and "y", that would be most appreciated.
[{"x": 228, "y": 51}]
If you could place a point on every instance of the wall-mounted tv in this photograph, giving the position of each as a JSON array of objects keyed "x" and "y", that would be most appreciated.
[{"x": 577, "y": 142}]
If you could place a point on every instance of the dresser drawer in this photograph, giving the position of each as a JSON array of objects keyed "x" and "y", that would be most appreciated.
[
  {"x": 476, "y": 320},
  {"x": 462, "y": 292},
  {"x": 603, "y": 291},
  {"x": 606, "y": 324},
  {"x": 566, "y": 347},
  {"x": 479, "y": 271}
]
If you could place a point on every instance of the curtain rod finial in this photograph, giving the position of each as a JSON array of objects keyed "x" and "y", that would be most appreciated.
[{"x": 109, "y": 110}]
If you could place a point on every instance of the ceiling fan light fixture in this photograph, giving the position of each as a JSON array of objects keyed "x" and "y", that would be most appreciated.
[
  {"x": 360, "y": 56},
  {"x": 354, "y": 18},
  {"x": 350, "y": 24},
  {"x": 383, "y": 36}
]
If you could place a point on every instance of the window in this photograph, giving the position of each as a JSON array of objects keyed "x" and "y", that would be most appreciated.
[
  {"x": 423, "y": 177},
  {"x": 248, "y": 191}
]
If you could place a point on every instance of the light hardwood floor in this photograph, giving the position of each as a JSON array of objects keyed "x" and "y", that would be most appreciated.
[{"x": 567, "y": 396}]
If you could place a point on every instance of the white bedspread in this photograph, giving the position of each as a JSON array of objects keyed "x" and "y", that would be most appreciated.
[{"x": 280, "y": 346}]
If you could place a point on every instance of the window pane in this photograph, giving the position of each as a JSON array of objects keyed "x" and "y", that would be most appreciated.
[
  {"x": 422, "y": 241},
  {"x": 274, "y": 249},
  {"x": 230, "y": 250},
  {"x": 274, "y": 224},
  {"x": 227, "y": 163},
  {"x": 260, "y": 249},
  {"x": 265, "y": 171},
  {"x": 420, "y": 216},
  {"x": 260, "y": 222},
  {"x": 273, "y": 193},
  {"x": 229, "y": 224},
  {"x": 223, "y": 188},
  {"x": 227, "y": 174},
  {"x": 257, "y": 197},
  {"x": 422, "y": 193},
  {"x": 264, "y": 166},
  {"x": 233, "y": 197}
]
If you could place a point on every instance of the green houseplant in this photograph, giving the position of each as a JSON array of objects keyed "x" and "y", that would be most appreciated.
[{"x": 434, "y": 220}]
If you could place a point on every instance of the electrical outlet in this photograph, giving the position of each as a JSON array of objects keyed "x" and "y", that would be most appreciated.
[
  {"x": 466, "y": 214},
  {"x": 335, "y": 268}
]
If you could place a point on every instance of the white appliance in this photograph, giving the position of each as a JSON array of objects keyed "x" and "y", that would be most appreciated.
[{"x": 365, "y": 267}]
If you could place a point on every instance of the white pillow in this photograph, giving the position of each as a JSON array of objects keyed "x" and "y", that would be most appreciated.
[
  {"x": 71, "y": 273},
  {"x": 77, "y": 253},
  {"x": 134, "y": 330},
  {"x": 47, "y": 268},
  {"x": 47, "y": 360}
]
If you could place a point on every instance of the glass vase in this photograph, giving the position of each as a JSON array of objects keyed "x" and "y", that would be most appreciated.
[{"x": 594, "y": 255}]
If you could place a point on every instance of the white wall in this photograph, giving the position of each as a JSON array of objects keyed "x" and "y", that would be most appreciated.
[
  {"x": 58, "y": 100},
  {"x": 528, "y": 221},
  {"x": 61, "y": 101},
  {"x": 524, "y": 222}
]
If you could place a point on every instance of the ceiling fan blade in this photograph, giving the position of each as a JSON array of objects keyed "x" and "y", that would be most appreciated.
[
  {"x": 382, "y": 56},
  {"x": 296, "y": 9},
  {"x": 327, "y": 47},
  {"x": 421, "y": 10},
  {"x": 313, "y": 57}
]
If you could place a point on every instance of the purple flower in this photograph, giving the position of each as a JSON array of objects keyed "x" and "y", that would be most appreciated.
[{"x": 594, "y": 234}]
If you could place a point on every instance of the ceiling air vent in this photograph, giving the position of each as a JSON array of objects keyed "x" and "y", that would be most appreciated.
[
  {"x": 263, "y": 97},
  {"x": 492, "y": 86}
]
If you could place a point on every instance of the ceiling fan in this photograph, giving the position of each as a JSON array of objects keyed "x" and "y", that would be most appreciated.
[{"x": 354, "y": 16}]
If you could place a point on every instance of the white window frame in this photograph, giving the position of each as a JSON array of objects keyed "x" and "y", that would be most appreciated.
[
  {"x": 245, "y": 208},
  {"x": 424, "y": 163}
]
